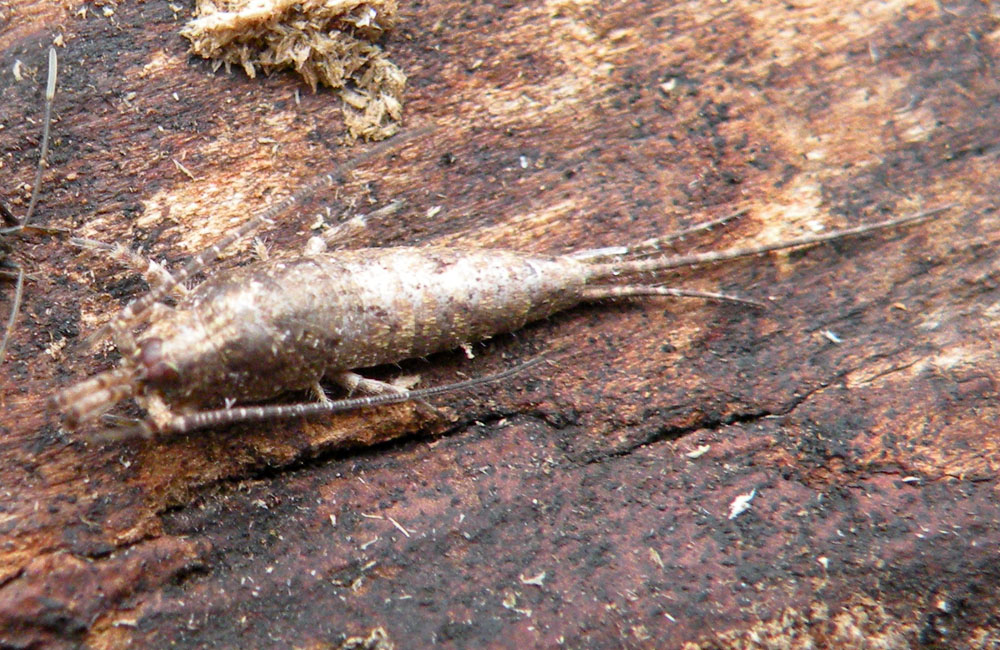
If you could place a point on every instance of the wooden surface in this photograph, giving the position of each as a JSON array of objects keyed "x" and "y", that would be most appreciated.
[{"x": 560, "y": 507}]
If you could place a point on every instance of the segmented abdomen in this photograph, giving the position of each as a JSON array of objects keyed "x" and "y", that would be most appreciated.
[
  {"x": 358, "y": 308},
  {"x": 407, "y": 302}
]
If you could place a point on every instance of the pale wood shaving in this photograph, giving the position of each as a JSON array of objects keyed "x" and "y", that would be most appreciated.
[{"x": 328, "y": 42}]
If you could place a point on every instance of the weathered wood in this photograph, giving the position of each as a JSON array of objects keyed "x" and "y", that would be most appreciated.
[{"x": 562, "y": 507}]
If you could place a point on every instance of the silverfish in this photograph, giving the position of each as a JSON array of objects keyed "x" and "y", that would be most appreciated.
[{"x": 250, "y": 334}]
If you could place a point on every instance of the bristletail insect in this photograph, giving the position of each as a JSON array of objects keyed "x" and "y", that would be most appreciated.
[{"x": 247, "y": 335}]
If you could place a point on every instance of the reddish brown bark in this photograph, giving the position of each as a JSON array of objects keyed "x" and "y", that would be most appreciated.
[{"x": 561, "y": 507}]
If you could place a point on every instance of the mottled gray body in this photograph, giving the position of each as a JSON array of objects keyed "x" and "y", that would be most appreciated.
[
  {"x": 282, "y": 325},
  {"x": 252, "y": 333},
  {"x": 255, "y": 332}
]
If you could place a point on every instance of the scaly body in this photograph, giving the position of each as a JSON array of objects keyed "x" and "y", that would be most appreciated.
[
  {"x": 282, "y": 325},
  {"x": 275, "y": 326}
]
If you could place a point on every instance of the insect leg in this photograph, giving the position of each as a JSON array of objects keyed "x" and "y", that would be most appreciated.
[
  {"x": 655, "y": 245},
  {"x": 124, "y": 339},
  {"x": 320, "y": 393},
  {"x": 635, "y": 290},
  {"x": 352, "y": 381},
  {"x": 338, "y": 236},
  {"x": 260, "y": 250},
  {"x": 157, "y": 409}
]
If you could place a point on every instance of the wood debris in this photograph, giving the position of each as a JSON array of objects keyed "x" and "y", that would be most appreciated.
[{"x": 329, "y": 42}]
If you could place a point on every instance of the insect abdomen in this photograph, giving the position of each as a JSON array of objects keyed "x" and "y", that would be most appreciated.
[
  {"x": 407, "y": 302},
  {"x": 281, "y": 325}
]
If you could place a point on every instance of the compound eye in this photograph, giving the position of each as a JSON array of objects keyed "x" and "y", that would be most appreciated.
[
  {"x": 151, "y": 352},
  {"x": 158, "y": 371}
]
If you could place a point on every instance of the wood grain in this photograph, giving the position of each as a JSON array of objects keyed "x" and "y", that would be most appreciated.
[{"x": 560, "y": 508}]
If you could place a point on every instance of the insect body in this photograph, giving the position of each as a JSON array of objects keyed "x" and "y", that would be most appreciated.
[{"x": 284, "y": 324}]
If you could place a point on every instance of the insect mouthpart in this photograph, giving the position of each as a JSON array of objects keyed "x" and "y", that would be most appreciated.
[
  {"x": 91, "y": 399},
  {"x": 94, "y": 397}
]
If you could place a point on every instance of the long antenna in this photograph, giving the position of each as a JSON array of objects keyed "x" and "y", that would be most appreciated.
[
  {"x": 14, "y": 309},
  {"x": 19, "y": 224},
  {"x": 50, "y": 93},
  {"x": 205, "y": 419}
]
